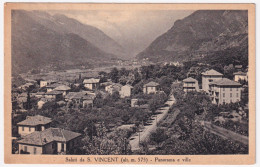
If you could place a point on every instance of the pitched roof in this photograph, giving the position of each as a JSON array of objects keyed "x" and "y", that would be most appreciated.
[
  {"x": 225, "y": 82},
  {"x": 151, "y": 84},
  {"x": 54, "y": 92},
  {"x": 35, "y": 120},
  {"x": 79, "y": 95},
  {"x": 212, "y": 72},
  {"x": 190, "y": 79},
  {"x": 62, "y": 88},
  {"x": 54, "y": 85},
  {"x": 49, "y": 135},
  {"x": 91, "y": 80},
  {"x": 240, "y": 73},
  {"x": 127, "y": 85},
  {"x": 40, "y": 93}
]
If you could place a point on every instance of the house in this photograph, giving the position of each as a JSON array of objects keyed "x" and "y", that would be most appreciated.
[
  {"x": 240, "y": 76},
  {"x": 63, "y": 89},
  {"x": 40, "y": 94},
  {"x": 26, "y": 86},
  {"x": 56, "y": 95},
  {"x": 238, "y": 67},
  {"x": 49, "y": 141},
  {"x": 51, "y": 87},
  {"x": 114, "y": 87},
  {"x": 190, "y": 84},
  {"x": 80, "y": 99},
  {"x": 42, "y": 101},
  {"x": 134, "y": 102},
  {"x": 91, "y": 83},
  {"x": 208, "y": 77},
  {"x": 126, "y": 91},
  {"x": 151, "y": 87},
  {"x": 225, "y": 91},
  {"x": 33, "y": 123},
  {"x": 46, "y": 83}
]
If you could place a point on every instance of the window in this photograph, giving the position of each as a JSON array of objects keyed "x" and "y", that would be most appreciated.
[
  {"x": 210, "y": 80},
  {"x": 29, "y": 129},
  {"x": 237, "y": 94},
  {"x": 34, "y": 150},
  {"x": 237, "y": 89},
  {"x": 230, "y": 94},
  {"x": 224, "y": 101},
  {"x": 223, "y": 89},
  {"x": 230, "y": 100},
  {"x": 62, "y": 146},
  {"x": 25, "y": 148},
  {"x": 230, "y": 89},
  {"x": 22, "y": 128},
  {"x": 223, "y": 94}
]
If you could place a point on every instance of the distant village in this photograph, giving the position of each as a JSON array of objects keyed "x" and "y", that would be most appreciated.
[{"x": 35, "y": 134}]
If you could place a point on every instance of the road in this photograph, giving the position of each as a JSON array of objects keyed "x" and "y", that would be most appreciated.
[
  {"x": 225, "y": 133},
  {"x": 144, "y": 135}
]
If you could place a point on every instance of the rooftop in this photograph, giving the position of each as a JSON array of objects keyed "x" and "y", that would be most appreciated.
[
  {"x": 190, "y": 79},
  {"x": 35, "y": 120},
  {"x": 127, "y": 85},
  {"x": 151, "y": 84},
  {"x": 62, "y": 88},
  {"x": 240, "y": 73},
  {"x": 91, "y": 80},
  {"x": 54, "y": 92},
  {"x": 79, "y": 95},
  {"x": 212, "y": 73},
  {"x": 225, "y": 82},
  {"x": 41, "y": 138}
]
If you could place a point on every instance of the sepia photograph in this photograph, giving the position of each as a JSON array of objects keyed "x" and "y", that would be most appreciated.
[{"x": 109, "y": 80}]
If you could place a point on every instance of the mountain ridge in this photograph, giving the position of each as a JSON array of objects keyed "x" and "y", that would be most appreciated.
[
  {"x": 202, "y": 31},
  {"x": 36, "y": 46}
]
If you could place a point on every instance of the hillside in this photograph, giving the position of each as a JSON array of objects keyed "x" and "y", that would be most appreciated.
[
  {"x": 201, "y": 33},
  {"x": 61, "y": 23},
  {"x": 37, "y": 43}
]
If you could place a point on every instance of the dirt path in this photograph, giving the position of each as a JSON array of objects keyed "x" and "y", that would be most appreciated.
[{"x": 143, "y": 136}]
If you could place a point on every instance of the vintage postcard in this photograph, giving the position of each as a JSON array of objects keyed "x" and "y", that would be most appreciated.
[{"x": 129, "y": 83}]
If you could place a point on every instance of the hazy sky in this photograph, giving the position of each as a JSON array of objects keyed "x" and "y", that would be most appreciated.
[{"x": 134, "y": 30}]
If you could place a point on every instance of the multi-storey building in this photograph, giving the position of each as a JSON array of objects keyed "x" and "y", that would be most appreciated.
[
  {"x": 190, "y": 84},
  {"x": 151, "y": 87},
  {"x": 49, "y": 141},
  {"x": 208, "y": 77},
  {"x": 32, "y": 124},
  {"x": 225, "y": 91}
]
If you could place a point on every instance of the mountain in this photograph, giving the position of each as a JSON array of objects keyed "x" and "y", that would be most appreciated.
[
  {"x": 38, "y": 42},
  {"x": 63, "y": 24},
  {"x": 202, "y": 33}
]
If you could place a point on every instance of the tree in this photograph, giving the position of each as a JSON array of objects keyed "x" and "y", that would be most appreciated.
[
  {"x": 114, "y": 76},
  {"x": 158, "y": 136},
  {"x": 28, "y": 103}
]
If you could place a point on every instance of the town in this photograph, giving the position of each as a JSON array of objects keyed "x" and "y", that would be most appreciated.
[{"x": 163, "y": 108}]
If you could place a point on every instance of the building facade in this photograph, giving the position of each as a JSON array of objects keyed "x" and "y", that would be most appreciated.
[
  {"x": 32, "y": 124},
  {"x": 91, "y": 83},
  {"x": 225, "y": 91},
  {"x": 126, "y": 91},
  {"x": 208, "y": 77},
  {"x": 240, "y": 76},
  {"x": 151, "y": 87},
  {"x": 49, "y": 141},
  {"x": 190, "y": 84}
]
